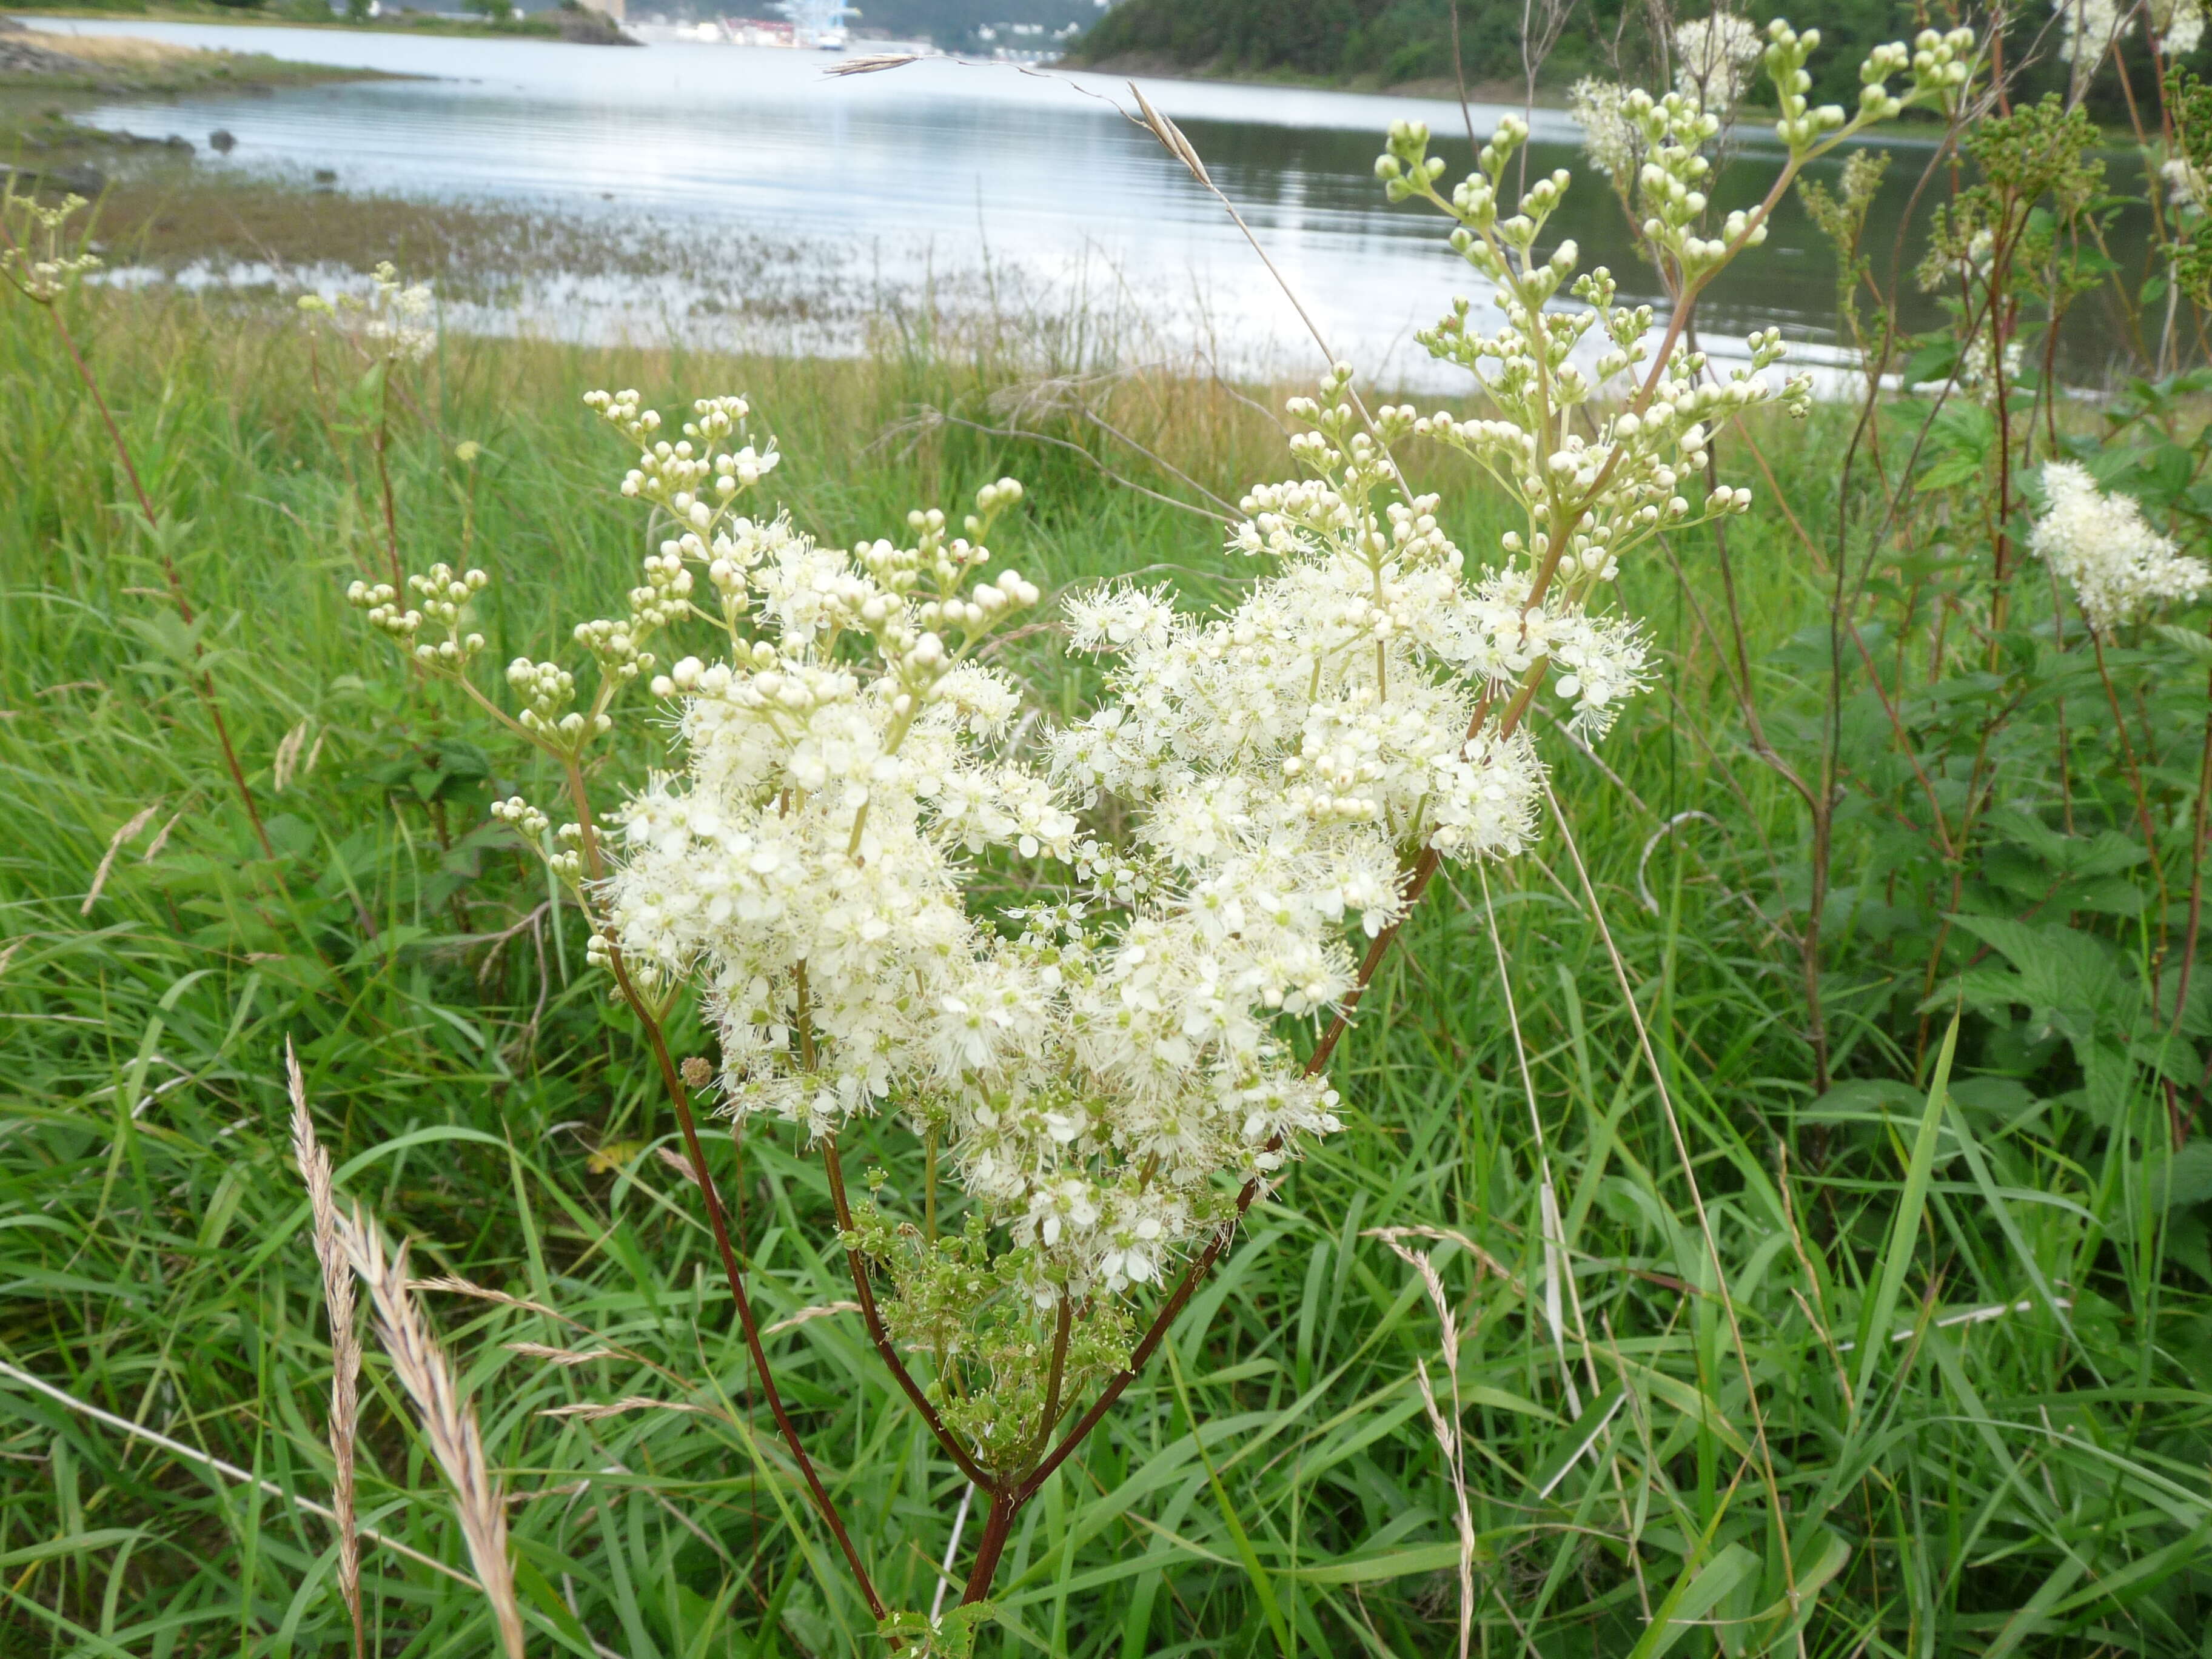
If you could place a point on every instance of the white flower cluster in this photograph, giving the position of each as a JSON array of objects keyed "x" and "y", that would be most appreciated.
[
  {"x": 2090, "y": 27},
  {"x": 2099, "y": 545},
  {"x": 2184, "y": 184},
  {"x": 1713, "y": 57},
  {"x": 1614, "y": 147},
  {"x": 394, "y": 322},
  {"x": 1102, "y": 1080},
  {"x": 1293, "y": 755},
  {"x": 37, "y": 262},
  {"x": 1977, "y": 368},
  {"x": 2178, "y": 25}
]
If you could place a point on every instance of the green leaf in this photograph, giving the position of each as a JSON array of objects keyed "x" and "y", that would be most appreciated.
[
  {"x": 1261, "y": 1586},
  {"x": 1931, "y": 363},
  {"x": 2198, "y": 645},
  {"x": 1370, "y": 1569},
  {"x": 1861, "y": 1098},
  {"x": 953, "y": 1637},
  {"x": 2189, "y": 1177},
  {"x": 1904, "y": 1226},
  {"x": 1695, "y": 1595}
]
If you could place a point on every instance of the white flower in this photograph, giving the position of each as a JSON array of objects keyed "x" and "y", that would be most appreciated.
[
  {"x": 1608, "y": 139},
  {"x": 2118, "y": 566},
  {"x": 1711, "y": 56},
  {"x": 394, "y": 321},
  {"x": 1095, "y": 1078},
  {"x": 2091, "y": 26},
  {"x": 2184, "y": 184},
  {"x": 2178, "y": 25},
  {"x": 1976, "y": 367}
]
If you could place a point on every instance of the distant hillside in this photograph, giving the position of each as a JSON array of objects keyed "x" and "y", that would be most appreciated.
[
  {"x": 1388, "y": 43},
  {"x": 977, "y": 25},
  {"x": 1384, "y": 42}
]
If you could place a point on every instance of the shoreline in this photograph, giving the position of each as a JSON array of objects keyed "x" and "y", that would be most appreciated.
[
  {"x": 45, "y": 77},
  {"x": 551, "y": 28},
  {"x": 54, "y": 60}
]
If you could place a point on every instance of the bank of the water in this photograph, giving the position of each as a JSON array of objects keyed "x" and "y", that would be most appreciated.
[
  {"x": 115, "y": 65},
  {"x": 574, "y": 24},
  {"x": 942, "y": 179}
]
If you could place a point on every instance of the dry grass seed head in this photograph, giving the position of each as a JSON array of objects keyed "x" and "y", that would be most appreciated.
[
  {"x": 345, "y": 1340},
  {"x": 115, "y": 844},
  {"x": 449, "y": 1421}
]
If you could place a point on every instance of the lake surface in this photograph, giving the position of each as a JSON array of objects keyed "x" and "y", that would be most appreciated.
[{"x": 986, "y": 184}]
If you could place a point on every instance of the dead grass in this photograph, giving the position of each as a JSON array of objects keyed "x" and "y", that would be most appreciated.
[
  {"x": 54, "y": 60},
  {"x": 128, "y": 51}
]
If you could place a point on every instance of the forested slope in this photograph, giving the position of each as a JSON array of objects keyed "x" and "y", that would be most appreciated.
[{"x": 1392, "y": 42}]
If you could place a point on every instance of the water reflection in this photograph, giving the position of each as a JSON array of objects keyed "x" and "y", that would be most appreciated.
[{"x": 929, "y": 174}]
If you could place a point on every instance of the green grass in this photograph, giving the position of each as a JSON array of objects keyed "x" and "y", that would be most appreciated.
[{"x": 2033, "y": 1484}]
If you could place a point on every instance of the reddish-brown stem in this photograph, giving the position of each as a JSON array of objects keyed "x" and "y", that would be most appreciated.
[
  {"x": 679, "y": 1097},
  {"x": 997, "y": 1526},
  {"x": 863, "y": 1291},
  {"x": 2001, "y": 595},
  {"x": 1061, "y": 1329},
  {"x": 206, "y": 682}
]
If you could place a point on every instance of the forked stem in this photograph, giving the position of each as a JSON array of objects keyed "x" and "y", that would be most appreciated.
[{"x": 864, "y": 1291}]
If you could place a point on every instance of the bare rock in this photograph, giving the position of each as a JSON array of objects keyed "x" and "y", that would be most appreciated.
[{"x": 19, "y": 57}]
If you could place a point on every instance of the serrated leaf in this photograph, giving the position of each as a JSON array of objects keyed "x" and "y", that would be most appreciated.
[{"x": 2198, "y": 645}]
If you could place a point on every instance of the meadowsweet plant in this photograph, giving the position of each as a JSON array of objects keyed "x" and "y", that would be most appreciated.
[
  {"x": 1597, "y": 472},
  {"x": 1096, "y": 1078},
  {"x": 393, "y": 321},
  {"x": 41, "y": 260},
  {"x": 373, "y": 347},
  {"x": 887, "y": 895},
  {"x": 2090, "y": 29},
  {"x": 1974, "y": 728},
  {"x": 2115, "y": 566}
]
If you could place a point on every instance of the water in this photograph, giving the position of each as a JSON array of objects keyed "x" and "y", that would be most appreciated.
[{"x": 963, "y": 179}]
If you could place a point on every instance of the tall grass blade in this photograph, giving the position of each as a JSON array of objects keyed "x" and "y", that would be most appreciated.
[
  {"x": 1897, "y": 1250},
  {"x": 1262, "y": 1586}
]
